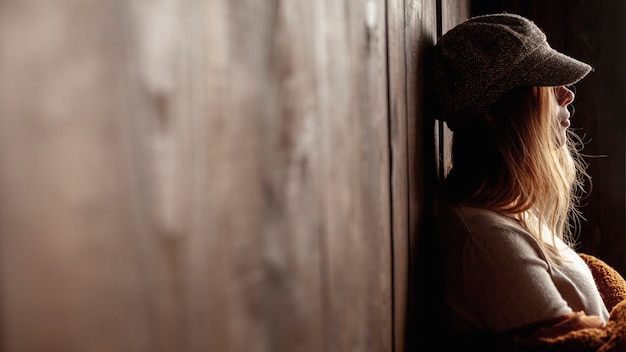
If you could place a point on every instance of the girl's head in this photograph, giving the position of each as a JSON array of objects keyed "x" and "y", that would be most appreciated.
[
  {"x": 482, "y": 59},
  {"x": 502, "y": 90}
]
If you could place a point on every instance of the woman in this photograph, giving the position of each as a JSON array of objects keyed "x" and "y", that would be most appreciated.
[{"x": 506, "y": 206}]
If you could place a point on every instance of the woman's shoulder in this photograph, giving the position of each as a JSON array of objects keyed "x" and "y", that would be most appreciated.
[
  {"x": 472, "y": 228},
  {"x": 473, "y": 218},
  {"x": 465, "y": 223}
]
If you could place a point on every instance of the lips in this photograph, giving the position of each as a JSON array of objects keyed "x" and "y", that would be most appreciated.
[
  {"x": 565, "y": 115},
  {"x": 565, "y": 123}
]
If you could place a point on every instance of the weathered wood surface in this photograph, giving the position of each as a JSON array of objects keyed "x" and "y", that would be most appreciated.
[
  {"x": 215, "y": 175},
  {"x": 411, "y": 31},
  {"x": 205, "y": 175}
]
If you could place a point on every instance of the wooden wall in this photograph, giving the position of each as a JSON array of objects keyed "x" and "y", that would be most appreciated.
[{"x": 214, "y": 175}]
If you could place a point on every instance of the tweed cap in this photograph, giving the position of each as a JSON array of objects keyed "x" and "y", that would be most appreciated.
[{"x": 483, "y": 58}]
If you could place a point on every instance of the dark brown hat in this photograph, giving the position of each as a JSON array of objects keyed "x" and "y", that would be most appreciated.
[{"x": 481, "y": 59}]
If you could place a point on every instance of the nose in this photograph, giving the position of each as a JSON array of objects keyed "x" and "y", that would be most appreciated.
[{"x": 564, "y": 95}]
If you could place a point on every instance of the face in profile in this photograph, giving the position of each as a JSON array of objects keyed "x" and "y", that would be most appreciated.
[{"x": 562, "y": 98}]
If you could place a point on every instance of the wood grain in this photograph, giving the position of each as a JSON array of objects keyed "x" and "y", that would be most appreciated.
[{"x": 211, "y": 175}]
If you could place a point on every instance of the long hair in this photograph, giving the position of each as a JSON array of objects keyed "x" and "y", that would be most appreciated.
[{"x": 513, "y": 160}]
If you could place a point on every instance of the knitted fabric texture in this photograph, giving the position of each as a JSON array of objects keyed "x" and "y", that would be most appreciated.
[{"x": 612, "y": 337}]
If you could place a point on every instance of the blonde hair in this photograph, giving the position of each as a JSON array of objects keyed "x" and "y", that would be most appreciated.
[{"x": 514, "y": 160}]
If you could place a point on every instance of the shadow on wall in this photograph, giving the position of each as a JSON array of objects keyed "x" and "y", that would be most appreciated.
[{"x": 426, "y": 291}]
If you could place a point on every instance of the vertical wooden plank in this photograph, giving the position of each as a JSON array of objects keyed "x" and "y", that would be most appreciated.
[
  {"x": 411, "y": 29},
  {"x": 264, "y": 168},
  {"x": 421, "y": 32},
  {"x": 420, "y": 38},
  {"x": 70, "y": 280},
  {"x": 353, "y": 98},
  {"x": 396, "y": 57},
  {"x": 163, "y": 113},
  {"x": 453, "y": 12}
]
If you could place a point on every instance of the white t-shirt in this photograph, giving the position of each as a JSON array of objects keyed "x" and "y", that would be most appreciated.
[{"x": 497, "y": 277}]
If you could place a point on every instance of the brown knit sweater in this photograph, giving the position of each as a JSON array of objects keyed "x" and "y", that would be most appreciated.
[{"x": 612, "y": 337}]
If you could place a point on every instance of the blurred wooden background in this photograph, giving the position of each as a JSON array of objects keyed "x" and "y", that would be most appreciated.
[{"x": 216, "y": 175}]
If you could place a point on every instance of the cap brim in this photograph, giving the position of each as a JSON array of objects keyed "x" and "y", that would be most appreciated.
[{"x": 556, "y": 69}]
